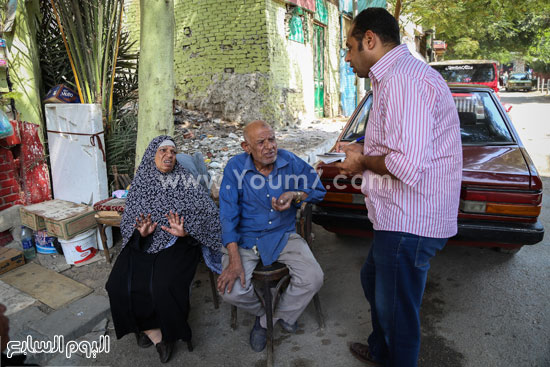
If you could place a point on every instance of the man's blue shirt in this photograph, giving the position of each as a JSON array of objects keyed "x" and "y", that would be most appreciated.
[{"x": 245, "y": 202}]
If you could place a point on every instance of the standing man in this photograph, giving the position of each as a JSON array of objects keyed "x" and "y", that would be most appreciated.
[
  {"x": 259, "y": 194},
  {"x": 412, "y": 136}
]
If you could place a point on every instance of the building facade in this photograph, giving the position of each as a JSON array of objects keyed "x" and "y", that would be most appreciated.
[{"x": 255, "y": 59}]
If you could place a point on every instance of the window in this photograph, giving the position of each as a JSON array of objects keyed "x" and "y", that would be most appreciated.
[
  {"x": 469, "y": 73},
  {"x": 296, "y": 27},
  {"x": 480, "y": 120}
]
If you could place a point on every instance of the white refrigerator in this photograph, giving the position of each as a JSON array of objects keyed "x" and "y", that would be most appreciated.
[{"x": 76, "y": 144}]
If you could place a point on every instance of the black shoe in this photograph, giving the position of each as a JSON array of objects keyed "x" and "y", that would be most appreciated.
[
  {"x": 143, "y": 340},
  {"x": 258, "y": 336},
  {"x": 287, "y": 327},
  {"x": 164, "y": 350}
]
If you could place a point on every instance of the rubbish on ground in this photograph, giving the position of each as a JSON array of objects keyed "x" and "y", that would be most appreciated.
[
  {"x": 27, "y": 241},
  {"x": 44, "y": 243},
  {"x": 10, "y": 258}
]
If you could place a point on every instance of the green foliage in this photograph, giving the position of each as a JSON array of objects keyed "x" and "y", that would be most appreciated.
[
  {"x": 7, "y": 98},
  {"x": 120, "y": 134},
  {"x": 466, "y": 48},
  {"x": 91, "y": 29},
  {"x": 54, "y": 61},
  {"x": 501, "y": 29}
]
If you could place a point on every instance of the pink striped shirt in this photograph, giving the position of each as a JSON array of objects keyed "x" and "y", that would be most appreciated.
[{"x": 414, "y": 122}]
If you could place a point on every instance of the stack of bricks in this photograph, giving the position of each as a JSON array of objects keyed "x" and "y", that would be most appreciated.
[{"x": 10, "y": 190}]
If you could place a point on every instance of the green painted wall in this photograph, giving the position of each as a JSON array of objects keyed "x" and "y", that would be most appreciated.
[
  {"x": 233, "y": 58},
  {"x": 23, "y": 63}
]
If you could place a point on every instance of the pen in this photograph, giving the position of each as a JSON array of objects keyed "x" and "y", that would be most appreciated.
[{"x": 356, "y": 140}]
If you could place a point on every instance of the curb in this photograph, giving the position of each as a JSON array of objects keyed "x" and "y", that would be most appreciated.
[{"x": 72, "y": 322}]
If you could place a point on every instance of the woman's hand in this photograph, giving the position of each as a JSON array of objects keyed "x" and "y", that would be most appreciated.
[
  {"x": 145, "y": 225},
  {"x": 176, "y": 225}
]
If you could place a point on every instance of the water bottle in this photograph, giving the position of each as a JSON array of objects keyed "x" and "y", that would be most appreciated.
[{"x": 28, "y": 245}]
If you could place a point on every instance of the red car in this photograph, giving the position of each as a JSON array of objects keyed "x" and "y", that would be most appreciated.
[
  {"x": 501, "y": 194},
  {"x": 484, "y": 72}
]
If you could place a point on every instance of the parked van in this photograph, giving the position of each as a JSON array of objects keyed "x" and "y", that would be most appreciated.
[{"x": 483, "y": 72}]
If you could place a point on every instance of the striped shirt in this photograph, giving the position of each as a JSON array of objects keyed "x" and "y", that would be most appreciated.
[{"x": 414, "y": 122}]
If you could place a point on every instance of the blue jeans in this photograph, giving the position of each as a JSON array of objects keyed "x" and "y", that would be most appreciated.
[{"x": 393, "y": 278}]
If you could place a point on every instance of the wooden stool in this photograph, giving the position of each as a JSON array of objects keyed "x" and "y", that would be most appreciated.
[{"x": 275, "y": 276}]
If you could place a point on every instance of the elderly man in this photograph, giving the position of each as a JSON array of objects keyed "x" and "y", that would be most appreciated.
[{"x": 260, "y": 192}]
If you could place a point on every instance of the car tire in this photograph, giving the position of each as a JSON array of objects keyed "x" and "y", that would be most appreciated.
[{"x": 508, "y": 250}]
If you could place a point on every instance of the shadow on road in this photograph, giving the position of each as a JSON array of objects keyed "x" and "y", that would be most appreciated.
[{"x": 523, "y": 97}]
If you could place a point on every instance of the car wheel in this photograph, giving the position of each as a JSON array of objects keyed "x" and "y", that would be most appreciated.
[{"x": 508, "y": 250}]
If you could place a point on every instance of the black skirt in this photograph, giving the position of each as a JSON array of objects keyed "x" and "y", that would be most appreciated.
[{"x": 149, "y": 291}]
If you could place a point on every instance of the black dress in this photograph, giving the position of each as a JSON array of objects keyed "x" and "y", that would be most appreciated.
[{"x": 149, "y": 291}]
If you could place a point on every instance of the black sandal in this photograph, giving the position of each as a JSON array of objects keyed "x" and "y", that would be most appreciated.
[
  {"x": 143, "y": 340},
  {"x": 164, "y": 350}
]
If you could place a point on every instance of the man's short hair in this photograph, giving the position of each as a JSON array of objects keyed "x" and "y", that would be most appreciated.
[{"x": 379, "y": 21}]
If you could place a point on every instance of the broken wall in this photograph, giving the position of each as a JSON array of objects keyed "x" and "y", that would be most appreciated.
[{"x": 234, "y": 59}]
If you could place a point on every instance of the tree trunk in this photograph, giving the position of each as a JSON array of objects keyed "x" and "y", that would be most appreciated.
[
  {"x": 397, "y": 10},
  {"x": 156, "y": 72}
]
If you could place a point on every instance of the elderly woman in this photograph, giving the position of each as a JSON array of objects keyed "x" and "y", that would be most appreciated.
[{"x": 168, "y": 220}]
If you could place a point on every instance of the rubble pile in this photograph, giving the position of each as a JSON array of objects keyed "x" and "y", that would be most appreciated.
[{"x": 219, "y": 140}]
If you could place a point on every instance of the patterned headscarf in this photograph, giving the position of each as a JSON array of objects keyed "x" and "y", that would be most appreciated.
[{"x": 156, "y": 193}]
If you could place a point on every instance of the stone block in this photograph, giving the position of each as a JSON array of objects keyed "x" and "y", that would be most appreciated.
[{"x": 76, "y": 319}]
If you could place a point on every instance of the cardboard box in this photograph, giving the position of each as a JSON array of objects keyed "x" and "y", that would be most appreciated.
[
  {"x": 63, "y": 219},
  {"x": 61, "y": 94},
  {"x": 10, "y": 258},
  {"x": 71, "y": 226},
  {"x": 30, "y": 219}
]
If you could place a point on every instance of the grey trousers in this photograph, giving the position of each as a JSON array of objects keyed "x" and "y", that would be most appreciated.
[{"x": 306, "y": 278}]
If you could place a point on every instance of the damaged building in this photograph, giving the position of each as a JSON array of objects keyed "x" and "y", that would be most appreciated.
[{"x": 248, "y": 59}]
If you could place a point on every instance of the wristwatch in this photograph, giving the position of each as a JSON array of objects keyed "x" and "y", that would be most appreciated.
[{"x": 298, "y": 199}]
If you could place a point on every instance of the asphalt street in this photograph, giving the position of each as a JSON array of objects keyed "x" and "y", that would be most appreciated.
[
  {"x": 481, "y": 307},
  {"x": 484, "y": 308}
]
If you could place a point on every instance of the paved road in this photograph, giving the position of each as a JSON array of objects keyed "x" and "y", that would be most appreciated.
[
  {"x": 484, "y": 308},
  {"x": 481, "y": 308}
]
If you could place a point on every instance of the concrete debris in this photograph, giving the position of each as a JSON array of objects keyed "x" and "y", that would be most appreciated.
[{"x": 219, "y": 140}]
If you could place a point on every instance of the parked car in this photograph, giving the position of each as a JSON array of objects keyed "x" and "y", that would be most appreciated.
[
  {"x": 519, "y": 81},
  {"x": 501, "y": 194},
  {"x": 484, "y": 72}
]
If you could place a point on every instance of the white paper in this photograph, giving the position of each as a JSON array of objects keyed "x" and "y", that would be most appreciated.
[{"x": 332, "y": 157}]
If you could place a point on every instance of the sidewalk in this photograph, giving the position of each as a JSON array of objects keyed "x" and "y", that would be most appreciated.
[{"x": 89, "y": 317}]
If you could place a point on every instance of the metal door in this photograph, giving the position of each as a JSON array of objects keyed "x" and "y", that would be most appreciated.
[{"x": 319, "y": 68}]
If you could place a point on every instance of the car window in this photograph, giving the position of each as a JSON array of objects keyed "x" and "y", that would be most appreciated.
[
  {"x": 356, "y": 128},
  {"x": 519, "y": 77},
  {"x": 467, "y": 73},
  {"x": 480, "y": 120}
]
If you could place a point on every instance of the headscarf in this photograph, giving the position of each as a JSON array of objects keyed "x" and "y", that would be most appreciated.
[{"x": 156, "y": 193}]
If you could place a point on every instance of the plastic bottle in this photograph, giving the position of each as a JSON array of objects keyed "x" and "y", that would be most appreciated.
[{"x": 28, "y": 245}]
